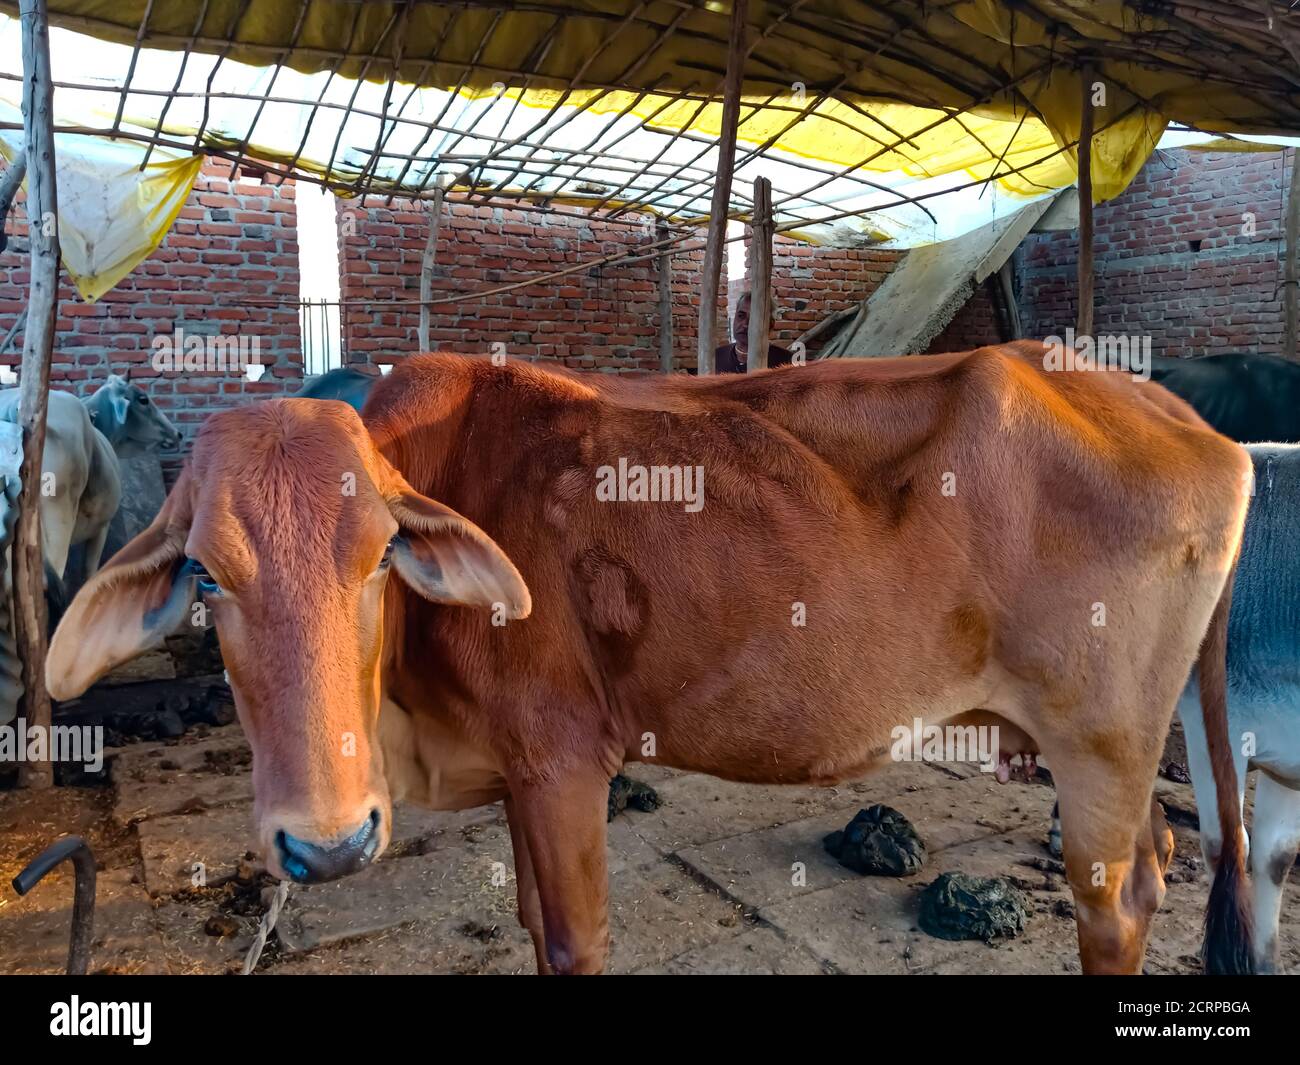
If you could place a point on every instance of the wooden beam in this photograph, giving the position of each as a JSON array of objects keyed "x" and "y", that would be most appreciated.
[
  {"x": 665, "y": 300},
  {"x": 832, "y": 320},
  {"x": 1086, "y": 122},
  {"x": 426, "y": 265},
  {"x": 721, "y": 188},
  {"x": 1006, "y": 281},
  {"x": 1292, "y": 298},
  {"x": 38, "y": 346},
  {"x": 760, "y": 277}
]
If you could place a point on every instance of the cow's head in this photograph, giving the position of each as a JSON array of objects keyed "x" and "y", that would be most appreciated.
[
  {"x": 129, "y": 418},
  {"x": 286, "y": 526}
]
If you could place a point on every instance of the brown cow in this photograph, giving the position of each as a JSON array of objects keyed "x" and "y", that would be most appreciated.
[{"x": 950, "y": 530}]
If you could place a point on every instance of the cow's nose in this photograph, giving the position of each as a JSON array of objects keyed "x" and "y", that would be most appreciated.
[{"x": 310, "y": 863}]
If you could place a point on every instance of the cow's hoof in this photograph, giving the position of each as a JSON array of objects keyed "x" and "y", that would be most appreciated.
[{"x": 625, "y": 792}]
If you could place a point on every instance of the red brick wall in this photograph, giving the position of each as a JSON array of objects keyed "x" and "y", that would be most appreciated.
[
  {"x": 810, "y": 283},
  {"x": 600, "y": 318},
  {"x": 232, "y": 240},
  {"x": 978, "y": 323},
  {"x": 1173, "y": 260}
]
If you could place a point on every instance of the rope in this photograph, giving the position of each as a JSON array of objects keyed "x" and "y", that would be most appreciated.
[{"x": 264, "y": 928}]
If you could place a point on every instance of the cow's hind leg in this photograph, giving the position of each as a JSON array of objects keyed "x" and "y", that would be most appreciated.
[
  {"x": 563, "y": 825},
  {"x": 528, "y": 900},
  {"x": 1275, "y": 837},
  {"x": 1115, "y": 855}
]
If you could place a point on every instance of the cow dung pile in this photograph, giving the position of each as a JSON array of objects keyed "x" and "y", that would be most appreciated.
[
  {"x": 957, "y": 906},
  {"x": 878, "y": 842}
]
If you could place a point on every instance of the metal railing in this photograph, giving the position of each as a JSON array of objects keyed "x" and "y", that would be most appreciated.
[{"x": 322, "y": 338}]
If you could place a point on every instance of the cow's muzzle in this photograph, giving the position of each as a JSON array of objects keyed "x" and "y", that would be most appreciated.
[{"x": 310, "y": 863}]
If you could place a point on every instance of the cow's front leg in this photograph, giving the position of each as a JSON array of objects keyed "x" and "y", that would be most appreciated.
[
  {"x": 527, "y": 897},
  {"x": 563, "y": 826}
]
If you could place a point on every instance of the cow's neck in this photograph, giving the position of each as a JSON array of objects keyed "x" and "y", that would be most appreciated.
[{"x": 101, "y": 416}]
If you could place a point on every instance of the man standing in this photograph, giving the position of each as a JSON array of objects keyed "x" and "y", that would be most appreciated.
[{"x": 731, "y": 358}]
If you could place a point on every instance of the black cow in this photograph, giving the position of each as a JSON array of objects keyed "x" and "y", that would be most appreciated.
[
  {"x": 1248, "y": 398},
  {"x": 347, "y": 383}
]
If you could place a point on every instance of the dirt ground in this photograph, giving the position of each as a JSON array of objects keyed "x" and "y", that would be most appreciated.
[{"x": 722, "y": 878}]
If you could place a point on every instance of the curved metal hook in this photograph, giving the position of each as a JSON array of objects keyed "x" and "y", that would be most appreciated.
[{"x": 83, "y": 901}]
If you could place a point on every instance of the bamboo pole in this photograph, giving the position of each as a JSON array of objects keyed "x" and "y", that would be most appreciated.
[
  {"x": 426, "y": 266},
  {"x": 38, "y": 346},
  {"x": 1084, "y": 326},
  {"x": 712, "y": 271},
  {"x": 760, "y": 277},
  {"x": 665, "y": 300},
  {"x": 1292, "y": 298}
]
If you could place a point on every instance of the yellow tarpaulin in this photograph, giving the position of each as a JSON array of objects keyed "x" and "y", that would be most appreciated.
[
  {"x": 111, "y": 214},
  {"x": 923, "y": 88}
]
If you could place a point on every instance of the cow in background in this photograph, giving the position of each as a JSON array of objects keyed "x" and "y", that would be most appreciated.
[
  {"x": 80, "y": 470},
  {"x": 1248, "y": 398},
  {"x": 79, "y": 467},
  {"x": 1263, "y": 692},
  {"x": 348, "y": 384},
  {"x": 85, "y": 440},
  {"x": 129, "y": 418}
]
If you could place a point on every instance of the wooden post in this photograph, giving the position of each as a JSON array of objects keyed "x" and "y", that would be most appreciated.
[
  {"x": 721, "y": 187},
  {"x": 1006, "y": 281},
  {"x": 1084, "y": 326},
  {"x": 665, "y": 300},
  {"x": 38, "y": 346},
  {"x": 760, "y": 277},
  {"x": 1292, "y": 299},
  {"x": 426, "y": 267}
]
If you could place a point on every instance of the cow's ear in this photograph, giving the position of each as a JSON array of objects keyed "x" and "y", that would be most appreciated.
[
  {"x": 143, "y": 595},
  {"x": 449, "y": 559}
]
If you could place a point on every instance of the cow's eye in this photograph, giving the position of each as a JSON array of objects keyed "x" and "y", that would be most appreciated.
[
  {"x": 387, "y": 557},
  {"x": 207, "y": 586},
  {"x": 142, "y": 399}
]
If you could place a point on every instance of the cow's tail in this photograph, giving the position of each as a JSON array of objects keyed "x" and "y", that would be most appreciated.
[{"x": 1228, "y": 921}]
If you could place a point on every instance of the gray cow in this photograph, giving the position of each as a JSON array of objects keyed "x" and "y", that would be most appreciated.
[
  {"x": 1263, "y": 692},
  {"x": 129, "y": 418}
]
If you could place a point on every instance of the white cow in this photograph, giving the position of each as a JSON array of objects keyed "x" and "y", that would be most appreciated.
[
  {"x": 1263, "y": 691},
  {"x": 80, "y": 489}
]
